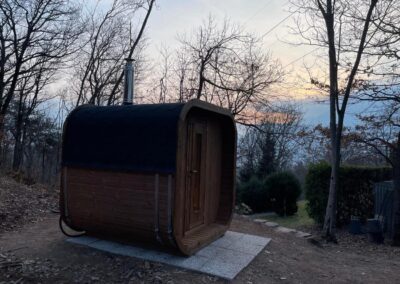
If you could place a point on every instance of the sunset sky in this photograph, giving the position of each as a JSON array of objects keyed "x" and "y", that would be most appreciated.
[{"x": 268, "y": 18}]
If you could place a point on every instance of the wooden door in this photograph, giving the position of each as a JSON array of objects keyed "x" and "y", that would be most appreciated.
[{"x": 195, "y": 186}]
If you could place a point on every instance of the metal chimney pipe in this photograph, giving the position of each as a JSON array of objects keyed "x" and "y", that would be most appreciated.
[{"x": 129, "y": 82}]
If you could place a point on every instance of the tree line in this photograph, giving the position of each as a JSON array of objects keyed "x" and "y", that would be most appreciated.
[
  {"x": 57, "y": 55},
  {"x": 47, "y": 43}
]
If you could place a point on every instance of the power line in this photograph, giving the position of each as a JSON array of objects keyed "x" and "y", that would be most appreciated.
[
  {"x": 297, "y": 59},
  {"x": 279, "y": 23},
  {"x": 258, "y": 12}
]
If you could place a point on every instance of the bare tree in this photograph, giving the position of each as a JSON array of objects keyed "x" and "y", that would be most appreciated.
[
  {"x": 107, "y": 40},
  {"x": 159, "y": 87},
  {"x": 32, "y": 34},
  {"x": 247, "y": 154},
  {"x": 41, "y": 139},
  {"x": 344, "y": 28},
  {"x": 381, "y": 133},
  {"x": 382, "y": 130},
  {"x": 314, "y": 144},
  {"x": 30, "y": 93},
  {"x": 221, "y": 64},
  {"x": 270, "y": 144},
  {"x": 315, "y": 147}
]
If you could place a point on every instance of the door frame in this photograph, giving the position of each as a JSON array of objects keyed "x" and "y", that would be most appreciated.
[{"x": 193, "y": 123}]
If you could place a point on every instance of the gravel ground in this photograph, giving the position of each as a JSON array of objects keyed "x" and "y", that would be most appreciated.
[
  {"x": 32, "y": 250},
  {"x": 21, "y": 204}
]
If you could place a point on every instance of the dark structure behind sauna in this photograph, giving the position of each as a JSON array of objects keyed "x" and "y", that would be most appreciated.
[{"x": 163, "y": 173}]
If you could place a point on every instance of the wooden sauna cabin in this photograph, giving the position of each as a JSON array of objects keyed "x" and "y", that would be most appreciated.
[{"x": 160, "y": 173}]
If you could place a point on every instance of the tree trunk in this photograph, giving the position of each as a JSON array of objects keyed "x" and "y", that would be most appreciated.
[
  {"x": 1, "y": 138},
  {"x": 331, "y": 208},
  {"x": 18, "y": 147},
  {"x": 17, "y": 156},
  {"x": 43, "y": 163},
  {"x": 329, "y": 230},
  {"x": 201, "y": 80}
]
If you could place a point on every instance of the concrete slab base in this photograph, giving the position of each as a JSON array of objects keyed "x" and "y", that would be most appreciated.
[{"x": 224, "y": 258}]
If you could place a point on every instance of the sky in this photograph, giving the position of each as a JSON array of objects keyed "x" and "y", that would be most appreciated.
[
  {"x": 173, "y": 17},
  {"x": 269, "y": 19}
]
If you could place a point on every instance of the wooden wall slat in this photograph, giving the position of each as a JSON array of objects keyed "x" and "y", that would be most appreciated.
[{"x": 123, "y": 203}]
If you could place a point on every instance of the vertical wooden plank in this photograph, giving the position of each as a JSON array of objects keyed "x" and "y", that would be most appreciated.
[
  {"x": 213, "y": 169},
  {"x": 180, "y": 182},
  {"x": 156, "y": 208},
  {"x": 65, "y": 188},
  {"x": 170, "y": 211}
]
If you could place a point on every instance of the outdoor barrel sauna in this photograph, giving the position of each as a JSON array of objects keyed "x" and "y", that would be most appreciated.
[{"x": 160, "y": 173}]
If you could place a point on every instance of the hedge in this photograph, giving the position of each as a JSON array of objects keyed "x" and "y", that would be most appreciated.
[
  {"x": 283, "y": 190},
  {"x": 355, "y": 191},
  {"x": 254, "y": 194}
]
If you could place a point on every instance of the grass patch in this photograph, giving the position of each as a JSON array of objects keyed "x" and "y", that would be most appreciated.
[{"x": 300, "y": 219}]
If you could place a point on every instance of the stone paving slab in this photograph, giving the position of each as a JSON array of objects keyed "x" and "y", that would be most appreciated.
[
  {"x": 224, "y": 258},
  {"x": 284, "y": 230},
  {"x": 281, "y": 229},
  {"x": 301, "y": 234},
  {"x": 271, "y": 224}
]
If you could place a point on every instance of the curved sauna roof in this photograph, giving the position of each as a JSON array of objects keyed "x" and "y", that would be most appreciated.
[{"x": 140, "y": 138}]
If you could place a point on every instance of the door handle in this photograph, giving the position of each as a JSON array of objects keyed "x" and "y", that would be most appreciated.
[{"x": 194, "y": 171}]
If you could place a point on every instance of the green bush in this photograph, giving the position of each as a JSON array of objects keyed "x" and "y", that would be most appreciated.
[
  {"x": 355, "y": 191},
  {"x": 283, "y": 190},
  {"x": 253, "y": 194}
]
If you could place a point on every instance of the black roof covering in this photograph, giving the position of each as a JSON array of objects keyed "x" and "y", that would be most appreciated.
[{"x": 133, "y": 138}]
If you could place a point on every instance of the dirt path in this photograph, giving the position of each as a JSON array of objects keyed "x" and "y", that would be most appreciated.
[{"x": 38, "y": 253}]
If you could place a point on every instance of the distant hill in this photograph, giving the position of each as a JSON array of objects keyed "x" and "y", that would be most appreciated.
[{"x": 315, "y": 112}]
